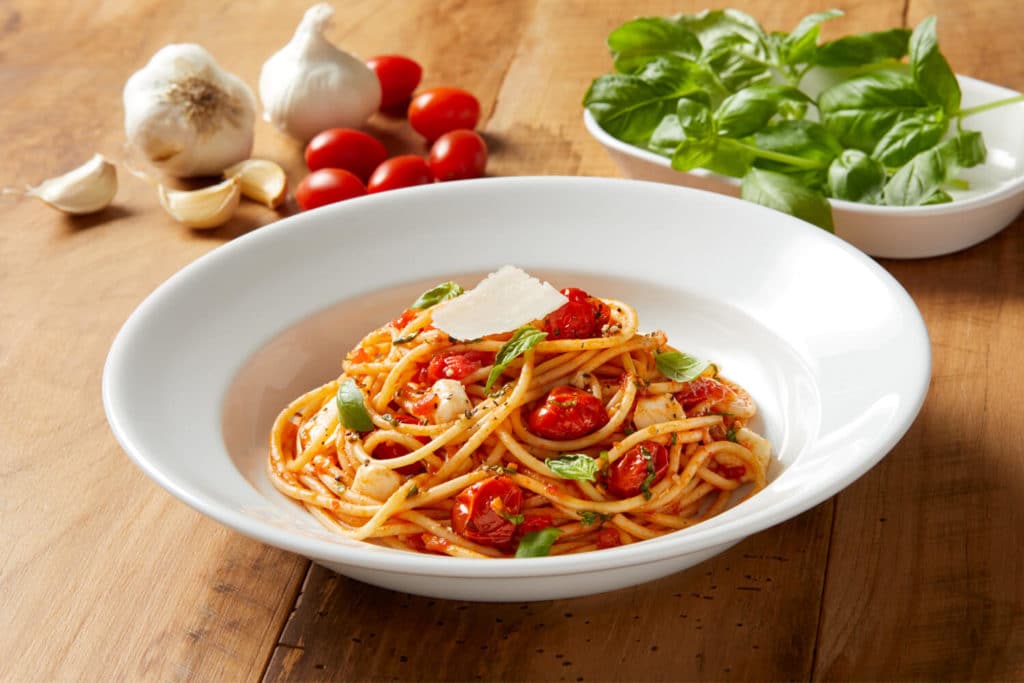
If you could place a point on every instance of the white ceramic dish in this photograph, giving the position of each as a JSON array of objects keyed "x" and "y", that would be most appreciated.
[
  {"x": 996, "y": 196},
  {"x": 831, "y": 347}
]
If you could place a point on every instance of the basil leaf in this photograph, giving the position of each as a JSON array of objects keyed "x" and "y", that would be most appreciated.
[
  {"x": 630, "y": 106},
  {"x": 435, "y": 295},
  {"x": 637, "y": 42},
  {"x": 695, "y": 119},
  {"x": 805, "y": 139},
  {"x": 737, "y": 63},
  {"x": 679, "y": 366},
  {"x": 799, "y": 46},
  {"x": 749, "y": 110},
  {"x": 939, "y": 196},
  {"x": 667, "y": 136},
  {"x": 909, "y": 137},
  {"x": 522, "y": 341},
  {"x": 352, "y": 411},
  {"x": 918, "y": 182},
  {"x": 863, "y": 48},
  {"x": 577, "y": 466},
  {"x": 713, "y": 27},
  {"x": 861, "y": 110},
  {"x": 538, "y": 543},
  {"x": 783, "y": 193},
  {"x": 934, "y": 78},
  {"x": 856, "y": 177},
  {"x": 730, "y": 158}
]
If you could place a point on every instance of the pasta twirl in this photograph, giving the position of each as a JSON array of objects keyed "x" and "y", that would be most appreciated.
[{"x": 573, "y": 433}]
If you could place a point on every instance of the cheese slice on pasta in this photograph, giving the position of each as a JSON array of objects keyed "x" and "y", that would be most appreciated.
[{"x": 503, "y": 301}]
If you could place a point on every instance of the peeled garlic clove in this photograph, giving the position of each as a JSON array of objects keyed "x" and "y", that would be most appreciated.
[
  {"x": 205, "y": 208},
  {"x": 261, "y": 180},
  {"x": 87, "y": 189}
]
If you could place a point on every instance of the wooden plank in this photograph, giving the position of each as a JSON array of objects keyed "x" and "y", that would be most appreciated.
[
  {"x": 750, "y": 613},
  {"x": 940, "y": 596}
]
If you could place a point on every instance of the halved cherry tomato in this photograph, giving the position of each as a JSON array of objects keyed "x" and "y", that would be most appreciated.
[
  {"x": 583, "y": 317},
  {"x": 404, "y": 319},
  {"x": 608, "y": 538},
  {"x": 398, "y": 77},
  {"x": 352, "y": 150},
  {"x": 703, "y": 389},
  {"x": 326, "y": 186},
  {"x": 434, "y": 112},
  {"x": 425, "y": 406},
  {"x": 567, "y": 413},
  {"x": 458, "y": 155},
  {"x": 533, "y": 523},
  {"x": 390, "y": 450},
  {"x": 401, "y": 171},
  {"x": 645, "y": 462},
  {"x": 457, "y": 365},
  {"x": 482, "y": 510}
]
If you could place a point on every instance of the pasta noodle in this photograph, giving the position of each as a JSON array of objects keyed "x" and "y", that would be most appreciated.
[{"x": 558, "y": 438}]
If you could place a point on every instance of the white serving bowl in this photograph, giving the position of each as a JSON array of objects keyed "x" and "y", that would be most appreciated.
[
  {"x": 996, "y": 196},
  {"x": 830, "y": 346}
]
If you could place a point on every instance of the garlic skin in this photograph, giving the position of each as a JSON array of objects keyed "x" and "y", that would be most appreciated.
[
  {"x": 188, "y": 116},
  {"x": 206, "y": 208},
  {"x": 309, "y": 85},
  {"x": 83, "y": 190}
]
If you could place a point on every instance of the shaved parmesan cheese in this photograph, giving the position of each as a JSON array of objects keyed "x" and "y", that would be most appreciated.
[{"x": 504, "y": 301}]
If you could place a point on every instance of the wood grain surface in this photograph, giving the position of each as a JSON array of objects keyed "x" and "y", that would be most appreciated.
[{"x": 912, "y": 573}]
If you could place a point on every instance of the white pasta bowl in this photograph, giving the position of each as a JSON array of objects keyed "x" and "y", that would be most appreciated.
[
  {"x": 830, "y": 346},
  {"x": 995, "y": 197}
]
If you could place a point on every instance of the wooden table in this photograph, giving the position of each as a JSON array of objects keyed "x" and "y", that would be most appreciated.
[{"x": 913, "y": 572}]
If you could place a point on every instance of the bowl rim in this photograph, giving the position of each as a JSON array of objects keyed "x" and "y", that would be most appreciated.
[
  {"x": 665, "y": 548},
  {"x": 1006, "y": 189}
]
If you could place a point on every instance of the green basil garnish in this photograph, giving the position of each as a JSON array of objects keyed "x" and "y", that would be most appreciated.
[
  {"x": 538, "y": 543},
  {"x": 522, "y": 341},
  {"x": 352, "y": 411},
  {"x": 435, "y": 295},
  {"x": 577, "y": 466},
  {"x": 679, "y": 366}
]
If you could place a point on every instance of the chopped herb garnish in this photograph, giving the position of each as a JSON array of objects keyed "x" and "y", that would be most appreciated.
[
  {"x": 731, "y": 435},
  {"x": 577, "y": 466},
  {"x": 515, "y": 519},
  {"x": 406, "y": 339},
  {"x": 645, "y": 486},
  {"x": 538, "y": 543},
  {"x": 590, "y": 517},
  {"x": 414, "y": 491}
]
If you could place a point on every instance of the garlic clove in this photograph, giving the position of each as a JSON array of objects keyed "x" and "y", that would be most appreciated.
[
  {"x": 206, "y": 208},
  {"x": 86, "y": 189},
  {"x": 261, "y": 180}
]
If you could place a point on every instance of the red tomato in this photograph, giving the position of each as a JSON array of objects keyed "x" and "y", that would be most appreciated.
[
  {"x": 401, "y": 171},
  {"x": 702, "y": 389},
  {"x": 627, "y": 475},
  {"x": 404, "y": 319},
  {"x": 425, "y": 406},
  {"x": 582, "y": 318},
  {"x": 390, "y": 450},
  {"x": 326, "y": 186},
  {"x": 481, "y": 510},
  {"x": 567, "y": 413},
  {"x": 352, "y": 150},
  {"x": 457, "y": 365},
  {"x": 434, "y": 112},
  {"x": 398, "y": 77},
  {"x": 608, "y": 538},
  {"x": 533, "y": 523},
  {"x": 458, "y": 155},
  {"x": 731, "y": 471}
]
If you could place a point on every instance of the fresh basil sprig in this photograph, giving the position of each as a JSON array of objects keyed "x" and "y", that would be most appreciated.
[
  {"x": 714, "y": 90},
  {"x": 577, "y": 466},
  {"x": 679, "y": 366},
  {"x": 524, "y": 339},
  {"x": 352, "y": 412},
  {"x": 538, "y": 543},
  {"x": 435, "y": 295}
]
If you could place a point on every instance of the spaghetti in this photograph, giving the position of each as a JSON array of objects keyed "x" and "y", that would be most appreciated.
[{"x": 574, "y": 433}]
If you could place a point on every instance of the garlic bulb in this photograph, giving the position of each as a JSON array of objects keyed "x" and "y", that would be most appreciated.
[
  {"x": 187, "y": 115},
  {"x": 206, "y": 208},
  {"x": 86, "y": 189},
  {"x": 309, "y": 85}
]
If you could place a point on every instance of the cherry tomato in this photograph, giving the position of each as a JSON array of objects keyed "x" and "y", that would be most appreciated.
[
  {"x": 533, "y": 523},
  {"x": 730, "y": 471},
  {"x": 458, "y": 155},
  {"x": 703, "y": 389},
  {"x": 425, "y": 406},
  {"x": 645, "y": 462},
  {"x": 567, "y": 413},
  {"x": 457, "y": 365},
  {"x": 398, "y": 77},
  {"x": 404, "y": 319},
  {"x": 434, "y": 112},
  {"x": 582, "y": 318},
  {"x": 608, "y": 538},
  {"x": 352, "y": 150},
  {"x": 326, "y": 186},
  {"x": 390, "y": 450},
  {"x": 481, "y": 511},
  {"x": 401, "y": 171}
]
